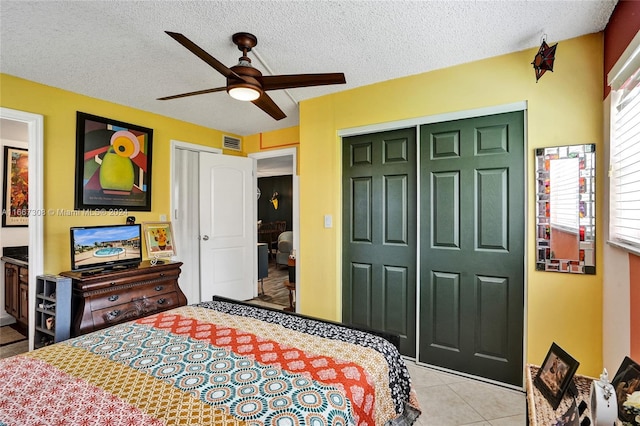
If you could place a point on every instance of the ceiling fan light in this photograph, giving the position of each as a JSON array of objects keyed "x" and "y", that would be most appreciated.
[{"x": 244, "y": 93}]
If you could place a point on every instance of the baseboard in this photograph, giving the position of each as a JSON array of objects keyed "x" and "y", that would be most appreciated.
[{"x": 6, "y": 319}]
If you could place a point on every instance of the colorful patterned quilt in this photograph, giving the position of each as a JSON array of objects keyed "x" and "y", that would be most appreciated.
[{"x": 213, "y": 363}]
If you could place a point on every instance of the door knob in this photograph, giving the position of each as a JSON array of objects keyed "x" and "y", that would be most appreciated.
[{"x": 205, "y": 237}]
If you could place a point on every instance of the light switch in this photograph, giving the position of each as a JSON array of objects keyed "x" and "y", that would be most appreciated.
[
  {"x": 328, "y": 221},
  {"x": 163, "y": 218}
]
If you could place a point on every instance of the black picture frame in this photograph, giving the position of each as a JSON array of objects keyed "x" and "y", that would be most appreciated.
[
  {"x": 625, "y": 382},
  {"x": 113, "y": 165},
  {"x": 556, "y": 374},
  {"x": 15, "y": 187}
]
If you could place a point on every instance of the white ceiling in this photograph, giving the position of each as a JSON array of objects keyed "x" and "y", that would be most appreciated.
[{"x": 118, "y": 51}]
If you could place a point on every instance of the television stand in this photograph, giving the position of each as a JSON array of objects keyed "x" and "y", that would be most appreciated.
[{"x": 111, "y": 296}]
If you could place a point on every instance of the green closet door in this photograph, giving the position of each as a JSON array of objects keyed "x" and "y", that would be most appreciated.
[
  {"x": 472, "y": 246},
  {"x": 380, "y": 233}
]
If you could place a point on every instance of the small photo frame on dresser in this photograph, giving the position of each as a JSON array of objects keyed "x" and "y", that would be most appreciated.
[
  {"x": 626, "y": 384},
  {"x": 159, "y": 239},
  {"x": 556, "y": 374}
]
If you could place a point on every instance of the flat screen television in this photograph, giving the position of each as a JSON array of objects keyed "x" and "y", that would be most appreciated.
[{"x": 98, "y": 248}]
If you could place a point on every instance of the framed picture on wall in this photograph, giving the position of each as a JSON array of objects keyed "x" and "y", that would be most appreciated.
[
  {"x": 113, "y": 164},
  {"x": 15, "y": 200}
]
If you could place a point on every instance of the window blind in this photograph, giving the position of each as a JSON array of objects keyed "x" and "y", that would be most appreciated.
[{"x": 624, "y": 209}]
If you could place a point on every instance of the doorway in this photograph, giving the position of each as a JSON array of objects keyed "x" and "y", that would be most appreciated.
[
  {"x": 270, "y": 165},
  {"x": 35, "y": 142},
  {"x": 185, "y": 205}
]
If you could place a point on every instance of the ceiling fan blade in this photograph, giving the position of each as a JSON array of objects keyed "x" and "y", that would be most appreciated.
[
  {"x": 266, "y": 104},
  {"x": 196, "y": 50},
  {"x": 275, "y": 82},
  {"x": 199, "y": 92}
]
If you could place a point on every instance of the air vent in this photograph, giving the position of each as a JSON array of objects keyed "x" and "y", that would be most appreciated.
[{"x": 229, "y": 142}]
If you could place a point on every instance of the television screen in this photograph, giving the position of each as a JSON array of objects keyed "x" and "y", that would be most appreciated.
[{"x": 105, "y": 247}]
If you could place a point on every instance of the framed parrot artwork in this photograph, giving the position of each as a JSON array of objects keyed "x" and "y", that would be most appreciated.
[{"x": 113, "y": 165}]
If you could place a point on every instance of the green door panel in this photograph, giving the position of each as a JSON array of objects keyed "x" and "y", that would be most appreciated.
[
  {"x": 380, "y": 233},
  {"x": 472, "y": 246}
]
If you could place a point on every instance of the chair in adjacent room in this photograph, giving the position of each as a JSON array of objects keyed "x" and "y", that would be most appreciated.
[
  {"x": 285, "y": 245},
  {"x": 279, "y": 227}
]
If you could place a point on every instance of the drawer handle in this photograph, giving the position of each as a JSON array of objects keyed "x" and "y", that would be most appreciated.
[
  {"x": 162, "y": 301},
  {"x": 162, "y": 274},
  {"x": 112, "y": 284},
  {"x": 113, "y": 315},
  {"x": 158, "y": 288},
  {"x": 113, "y": 298}
]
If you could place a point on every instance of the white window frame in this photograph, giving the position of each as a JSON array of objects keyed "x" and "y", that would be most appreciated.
[{"x": 624, "y": 165}]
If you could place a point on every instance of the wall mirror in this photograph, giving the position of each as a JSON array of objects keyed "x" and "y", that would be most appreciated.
[{"x": 565, "y": 217}]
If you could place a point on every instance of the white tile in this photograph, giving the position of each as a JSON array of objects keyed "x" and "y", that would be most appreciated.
[
  {"x": 443, "y": 407},
  {"x": 520, "y": 420},
  {"x": 452, "y": 400},
  {"x": 491, "y": 401},
  {"x": 422, "y": 377}
]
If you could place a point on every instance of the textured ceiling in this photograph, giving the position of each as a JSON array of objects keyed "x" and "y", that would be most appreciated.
[{"x": 118, "y": 51}]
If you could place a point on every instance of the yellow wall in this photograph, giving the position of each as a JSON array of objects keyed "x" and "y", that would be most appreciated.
[
  {"x": 564, "y": 107},
  {"x": 59, "y": 110}
]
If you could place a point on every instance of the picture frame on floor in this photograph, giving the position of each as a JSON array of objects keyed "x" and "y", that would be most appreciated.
[{"x": 556, "y": 374}]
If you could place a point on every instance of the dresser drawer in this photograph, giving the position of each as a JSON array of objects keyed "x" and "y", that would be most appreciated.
[
  {"x": 136, "y": 309},
  {"x": 125, "y": 294},
  {"x": 114, "y": 280}
]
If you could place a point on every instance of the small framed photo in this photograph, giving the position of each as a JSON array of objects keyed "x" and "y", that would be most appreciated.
[
  {"x": 556, "y": 374},
  {"x": 626, "y": 383},
  {"x": 159, "y": 239}
]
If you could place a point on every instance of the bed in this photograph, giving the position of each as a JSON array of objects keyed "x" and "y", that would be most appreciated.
[{"x": 218, "y": 362}]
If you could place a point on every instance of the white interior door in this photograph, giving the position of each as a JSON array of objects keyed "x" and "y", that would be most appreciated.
[{"x": 228, "y": 255}]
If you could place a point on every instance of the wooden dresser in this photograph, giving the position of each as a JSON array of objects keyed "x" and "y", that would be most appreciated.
[{"x": 107, "y": 298}]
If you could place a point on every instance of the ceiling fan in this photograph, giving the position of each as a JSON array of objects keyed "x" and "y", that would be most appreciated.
[{"x": 246, "y": 83}]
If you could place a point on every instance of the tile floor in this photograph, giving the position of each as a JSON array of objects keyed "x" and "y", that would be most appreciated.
[
  {"x": 451, "y": 400},
  {"x": 446, "y": 399}
]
